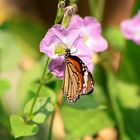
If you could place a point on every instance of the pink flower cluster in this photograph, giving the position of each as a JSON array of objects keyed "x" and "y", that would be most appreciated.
[{"x": 83, "y": 35}]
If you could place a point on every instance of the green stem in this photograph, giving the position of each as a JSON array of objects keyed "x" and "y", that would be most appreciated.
[
  {"x": 97, "y": 8},
  {"x": 39, "y": 88},
  {"x": 117, "y": 114},
  {"x": 112, "y": 96},
  {"x": 51, "y": 124},
  {"x": 100, "y": 10}
]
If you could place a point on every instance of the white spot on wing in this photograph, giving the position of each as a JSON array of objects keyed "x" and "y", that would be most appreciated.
[{"x": 85, "y": 78}]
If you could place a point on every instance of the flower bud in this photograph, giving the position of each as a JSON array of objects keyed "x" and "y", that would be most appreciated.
[
  {"x": 75, "y": 7},
  {"x": 60, "y": 11},
  {"x": 69, "y": 11},
  {"x": 61, "y": 4}
]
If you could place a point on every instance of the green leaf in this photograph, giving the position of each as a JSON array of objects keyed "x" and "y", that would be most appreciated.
[
  {"x": 129, "y": 67},
  {"x": 86, "y": 122},
  {"x": 129, "y": 101},
  {"x": 4, "y": 118},
  {"x": 136, "y": 7},
  {"x": 41, "y": 111},
  {"x": 126, "y": 106},
  {"x": 128, "y": 91},
  {"x": 112, "y": 80},
  {"x": 20, "y": 128},
  {"x": 4, "y": 86}
]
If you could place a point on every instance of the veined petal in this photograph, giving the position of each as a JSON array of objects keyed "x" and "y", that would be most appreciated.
[
  {"x": 56, "y": 66},
  {"x": 49, "y": 42},
  {"x": 73, "y": 37},
  {"x": 66, "y": 36},
  {"x": 48, "y": 50}
]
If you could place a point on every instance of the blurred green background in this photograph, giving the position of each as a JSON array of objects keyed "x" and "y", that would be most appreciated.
[{"x": 112, "y": 112}]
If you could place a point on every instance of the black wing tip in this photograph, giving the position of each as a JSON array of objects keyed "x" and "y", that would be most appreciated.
[
  {"x": 87, "y": 92},
  {"x": 91, "y": 91}
]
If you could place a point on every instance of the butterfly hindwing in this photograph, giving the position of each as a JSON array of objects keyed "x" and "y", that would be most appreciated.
[{"x": 88, "y": 83}]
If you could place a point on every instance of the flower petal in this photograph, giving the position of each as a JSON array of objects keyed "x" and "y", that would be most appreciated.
[
  {"x": 91, "y": 30},
  {"x": 87, "y": 25},
  {"x": 85, "y": 54},
  {"x": 49, "y": 42},
  {"x": 56, "y": 66},
  {"x": 48, "y": 50},
  {"x": 76, "y": 22},
  {"x": 67, "y": 36},
  {"x": 131, "y": 28},
  {"x": 92, "y": 25},
  {"x": 97, "y": 43}
]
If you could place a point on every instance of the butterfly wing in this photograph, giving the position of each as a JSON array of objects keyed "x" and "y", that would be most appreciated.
[
  {"x": 71, "y": 85},
  {"x": 77, "y": 79},
  {"x": 88, "y": 82}
]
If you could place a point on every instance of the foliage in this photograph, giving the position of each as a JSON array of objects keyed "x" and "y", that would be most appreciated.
[{"x": 115, "y": 102}]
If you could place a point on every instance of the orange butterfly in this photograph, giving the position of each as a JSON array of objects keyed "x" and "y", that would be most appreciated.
[{"x": 77, "y": 78}]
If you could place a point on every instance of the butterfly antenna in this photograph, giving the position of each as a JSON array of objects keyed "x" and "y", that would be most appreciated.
[
  {"x": 76, "y": 40},
  {"x": 61, "y": 41}
]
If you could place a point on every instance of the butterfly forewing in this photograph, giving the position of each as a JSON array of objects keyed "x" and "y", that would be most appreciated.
[
  {"x": 77, "y": 79},
  {"x": 77, "y": 68},
  {"x": 70, "y": 83},
  {"x": 65, "y": 86}
]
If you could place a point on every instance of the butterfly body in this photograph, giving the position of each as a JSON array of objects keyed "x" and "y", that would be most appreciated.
[{"x": 77, "y": 78}]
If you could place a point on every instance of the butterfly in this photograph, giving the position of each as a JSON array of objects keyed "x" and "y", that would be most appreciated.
[{"x": 77, "y": 79}]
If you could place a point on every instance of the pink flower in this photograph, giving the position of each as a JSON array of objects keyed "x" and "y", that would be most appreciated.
[
  {"x": 131, "y": 28},
  {"x": 83, "y": 37},
  {"x": 68, "y": 38},
  {"x": 91, "y": 30}
]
